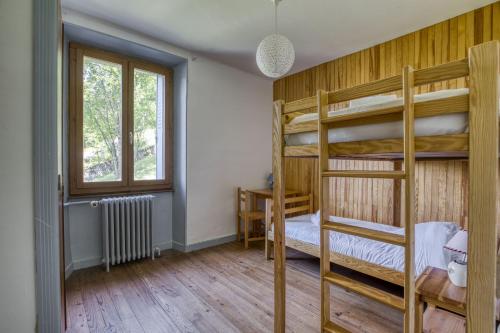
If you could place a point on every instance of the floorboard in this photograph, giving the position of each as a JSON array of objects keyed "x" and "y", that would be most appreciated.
[{"x": 220, "y": 289}]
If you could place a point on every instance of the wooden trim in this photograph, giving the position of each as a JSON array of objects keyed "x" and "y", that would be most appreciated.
[
  {"x": 444, "y": 145},
  {"x": 377, "y": 235},
  {"x": 365, "y": 267},
  {"x": 238, "y": 213},
  {"x": 483, "y": 177},
  {"x": 364, "y": 174},
  {"x": 301, "y": 151},
  {"x": 409, "y": 168},
  {"x": 366, "y": 290},
  {"x": 427, "y": 144},
  {"x": 331, "y": 327},
  {"x": 368, "y": 89},
  {"x": 448, "y": 71},
  {"x": 300, "y": 105},
  {"x": 362, "y": 118},
  {"x": 454, "y": 104},
  {"x": 324, "y": 201},
  {"x": 308, "y": 126},
  {"x": 443, "y": 72},
  {"x": 396, "y": 196},
  {"x": 279, "y": 220},
  {"x": 267, "y": 247},
  {"x": 127, "y": 185}
]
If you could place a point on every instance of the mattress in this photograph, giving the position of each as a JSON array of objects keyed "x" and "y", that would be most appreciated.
[
  {"x": 452, "y": 123},
  {"x": 430, "y": 237}
]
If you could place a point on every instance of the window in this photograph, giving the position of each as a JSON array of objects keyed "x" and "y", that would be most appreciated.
[{"x": 120, "y": 123}]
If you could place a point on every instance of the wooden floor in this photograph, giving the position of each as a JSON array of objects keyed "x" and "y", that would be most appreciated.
[{"x": 221, "y": 289}]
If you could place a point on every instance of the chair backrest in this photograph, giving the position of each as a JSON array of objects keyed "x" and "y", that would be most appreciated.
[
  {"x": 242, "y": 197},
  {"x": 293, "y": 206}
]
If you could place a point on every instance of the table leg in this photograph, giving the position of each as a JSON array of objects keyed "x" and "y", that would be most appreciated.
[
  {"x": 419, "y": 314},
  {"x": 254, "y": 209}
]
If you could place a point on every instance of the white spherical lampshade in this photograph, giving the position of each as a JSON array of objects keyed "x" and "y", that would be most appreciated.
[{"x": 275, "y": 55}]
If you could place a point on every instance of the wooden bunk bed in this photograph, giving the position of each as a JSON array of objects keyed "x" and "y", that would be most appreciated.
[{"x": 479, "y": 144}]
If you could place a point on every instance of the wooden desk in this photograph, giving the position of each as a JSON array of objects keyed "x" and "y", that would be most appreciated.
[
  {"x": 262, "y": 194},
  {"x": 435, "y": 288},
  {"x": 267, "y": 193}
]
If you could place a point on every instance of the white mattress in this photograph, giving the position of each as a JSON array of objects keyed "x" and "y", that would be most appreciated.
[
  {"x": 447, "y": 124},
  {"x": 430, "y": 237}
]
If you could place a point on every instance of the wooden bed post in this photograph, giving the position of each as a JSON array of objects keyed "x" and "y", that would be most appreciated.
[
  {"x": 279, "y": 223},
  {"x": 324, "y": 200},
  {"x": 268, "y": 220},
  {"x": 409, "y": 221},
  {"x": 396, "y": 196},
  {"x": 483, "y": 176}
]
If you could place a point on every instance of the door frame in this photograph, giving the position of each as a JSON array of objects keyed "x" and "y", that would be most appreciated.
[{"x": 47, "y": 92}]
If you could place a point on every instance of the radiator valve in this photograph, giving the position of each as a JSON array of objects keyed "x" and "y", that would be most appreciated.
[{"x": 156, "y": 252}]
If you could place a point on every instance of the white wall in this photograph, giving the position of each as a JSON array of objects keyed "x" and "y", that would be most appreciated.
[
  {"x": 17, "y": 275},
  {"x": 228, "y": 133},
  {"x": 229, "y": 144},
  {"x": 180, "y": 147},
  {"x": 85, "y": 235}
]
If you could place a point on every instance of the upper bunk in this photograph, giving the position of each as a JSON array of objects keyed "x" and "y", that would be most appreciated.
[{"x": 374, "y": 130}]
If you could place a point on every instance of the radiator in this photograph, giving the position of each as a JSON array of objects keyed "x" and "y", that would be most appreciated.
[{"x": 127, "y": 229}]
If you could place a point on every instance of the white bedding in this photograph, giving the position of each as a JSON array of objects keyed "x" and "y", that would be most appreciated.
[
  {"x": 430, "y": 237},
  {"x": 453, "y": 123}
]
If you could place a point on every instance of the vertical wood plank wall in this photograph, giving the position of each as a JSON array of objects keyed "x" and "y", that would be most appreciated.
[{"x": 444, "y": 181}]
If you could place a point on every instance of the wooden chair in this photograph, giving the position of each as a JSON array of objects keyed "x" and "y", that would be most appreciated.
[
  {"x": 294, "y": 206},
  {"x": 245, "y": 212}
]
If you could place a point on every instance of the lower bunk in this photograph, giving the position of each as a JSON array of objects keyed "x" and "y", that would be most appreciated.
[{"x": 380, "y": 260}]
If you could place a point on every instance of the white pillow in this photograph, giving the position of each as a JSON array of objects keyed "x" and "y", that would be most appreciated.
[
  {"x": 430, "y": 238},
  {"x": 377, "y": 99},
  {"x": 315, "y": 219}
]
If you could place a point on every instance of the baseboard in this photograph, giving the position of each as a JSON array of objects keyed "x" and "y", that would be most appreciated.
[
  {"x": 164, "y": 246},
  {"x": 68, "y": 271},
  {"x": 178, "y": 246},
  {"x": 97, "y": 261},
  {"x": 86, "y": 263},
  {"x": 204, "y": 244}
]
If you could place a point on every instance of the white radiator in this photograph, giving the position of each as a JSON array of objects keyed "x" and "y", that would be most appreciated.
[{"x": 127, "y": 229}]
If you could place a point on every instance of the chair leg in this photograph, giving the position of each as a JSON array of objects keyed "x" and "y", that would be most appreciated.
[
  {"x": 246, "y": 233},
  {"x": 238, "y": 229},
  {"x": 268, "y": 249}
]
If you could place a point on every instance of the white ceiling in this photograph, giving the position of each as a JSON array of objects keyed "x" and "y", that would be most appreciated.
[{"x": 230, "y": 30}]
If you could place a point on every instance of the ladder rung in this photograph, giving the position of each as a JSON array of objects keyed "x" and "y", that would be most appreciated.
[
  {"x": 377, "y": 235},
  {"x": 366, "y": 290},
  {"x": 364, "y": 174},
  {"x": 331, "y": 327}
]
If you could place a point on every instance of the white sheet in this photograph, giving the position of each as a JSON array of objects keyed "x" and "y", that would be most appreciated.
[
  {"x": 430, "y": 237},
  {"x": 453, "y": 123}
]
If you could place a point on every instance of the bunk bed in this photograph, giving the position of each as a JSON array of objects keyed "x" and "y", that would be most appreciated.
[
  {"x": 473, "y": 114},
  {"x": 381, "y": 260}
]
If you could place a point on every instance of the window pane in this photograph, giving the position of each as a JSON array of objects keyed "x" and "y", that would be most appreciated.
[
  {"x": 149, "y": 136},
  {"x": 102, "y": 121}
]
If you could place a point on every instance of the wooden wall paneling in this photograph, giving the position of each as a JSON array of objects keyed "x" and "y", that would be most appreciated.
[
  {"x": 444, "y": 181},
  {"x": 495, "y": 21}
]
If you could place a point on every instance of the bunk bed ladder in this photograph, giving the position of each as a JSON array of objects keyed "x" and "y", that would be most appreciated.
[{"x": 406, "y": 304}]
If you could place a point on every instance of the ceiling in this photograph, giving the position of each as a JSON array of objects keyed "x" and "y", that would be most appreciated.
[{"x": 229, "y": 31}]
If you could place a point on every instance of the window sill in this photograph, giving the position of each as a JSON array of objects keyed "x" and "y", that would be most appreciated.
[{"x": 85, "y": 193}]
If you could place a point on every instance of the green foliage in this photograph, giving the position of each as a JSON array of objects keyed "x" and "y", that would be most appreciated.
[
  {"x": 145, "y": 105},
  {"x": 102, "y": 123}
]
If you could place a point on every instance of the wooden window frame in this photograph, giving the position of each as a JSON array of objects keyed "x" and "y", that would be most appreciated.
[{"x": 75, "y": 147}]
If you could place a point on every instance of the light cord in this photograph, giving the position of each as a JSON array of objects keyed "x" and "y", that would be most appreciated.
[{"x": 276, "y": 2}]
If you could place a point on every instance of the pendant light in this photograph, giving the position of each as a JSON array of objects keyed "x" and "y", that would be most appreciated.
[{"x": 275, "y": 54}]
